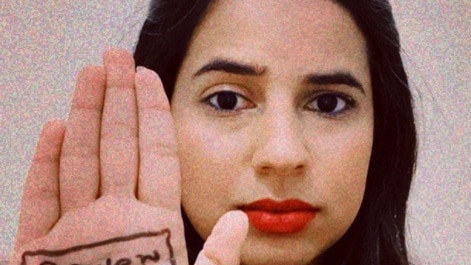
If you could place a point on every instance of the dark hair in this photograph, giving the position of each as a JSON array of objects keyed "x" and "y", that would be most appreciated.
[{"x": 376, "y": 237}]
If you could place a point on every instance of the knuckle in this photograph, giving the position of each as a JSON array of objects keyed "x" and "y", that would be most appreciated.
[
  {"x": 154, "y": 107},
  {"x": 79, "y": 153},
  {"x": 160, "y": 150},
  {"x": 91, "y": 71},
  {"x": 118, "y": 129},
  {"x": 45, "y": 158},
  {"x": 86, "y": 107},
  {"x": 213, "y": 257}
]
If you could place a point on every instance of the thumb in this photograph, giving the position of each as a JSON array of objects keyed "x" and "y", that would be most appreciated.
[{"x": 224, "y": 244}]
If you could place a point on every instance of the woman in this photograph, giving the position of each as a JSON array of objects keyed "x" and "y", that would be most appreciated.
[{"x": 295, "y": 115}]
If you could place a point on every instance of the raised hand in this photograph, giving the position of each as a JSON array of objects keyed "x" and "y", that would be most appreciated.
[{"x": 104, "y": 187}]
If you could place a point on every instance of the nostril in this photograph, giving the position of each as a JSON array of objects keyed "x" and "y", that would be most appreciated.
[{"x": 281, "y": 170}]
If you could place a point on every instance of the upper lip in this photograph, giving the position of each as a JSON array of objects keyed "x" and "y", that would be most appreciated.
[{"x": 270, "y": 205}]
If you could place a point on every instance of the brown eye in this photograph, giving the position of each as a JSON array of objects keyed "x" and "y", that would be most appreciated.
[
  {"x": 224, "y": 100},
  {"x": 227, "y": 101},
  {"x": 329, "y": 104}
]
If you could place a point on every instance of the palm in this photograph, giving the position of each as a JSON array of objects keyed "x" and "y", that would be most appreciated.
[
  {"x": 129, "y": 230},
  {"x": 105, "y": 188}
]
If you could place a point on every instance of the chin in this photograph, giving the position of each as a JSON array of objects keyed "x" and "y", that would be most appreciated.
[
  {"x": 264, "y": 258},
  {"x": 266, "y": 249}
]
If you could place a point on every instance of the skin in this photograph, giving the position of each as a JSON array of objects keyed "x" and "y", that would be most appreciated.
[
  {"x": 125, "y": 160},
  {"x": 275, "y": 144},
  {"x": 90, "y": 179},
  {"x": 112, "y": 171}
]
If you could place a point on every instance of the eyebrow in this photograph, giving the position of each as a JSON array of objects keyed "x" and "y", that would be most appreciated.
[
  {"x": 337, "y": 78},
  {"x": 231, "y": 67}
]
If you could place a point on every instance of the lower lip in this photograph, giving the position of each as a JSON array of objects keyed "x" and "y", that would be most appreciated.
[{"x": 280, "y": 223}]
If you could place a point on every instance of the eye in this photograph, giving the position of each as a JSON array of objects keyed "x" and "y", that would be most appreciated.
[
  {"x": 227, "y": 101},
  {"x": 330, "y": 104}
]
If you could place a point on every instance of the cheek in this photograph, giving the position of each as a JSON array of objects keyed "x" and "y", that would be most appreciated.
[
  {"x": 211, "y": 162},
  {"x": 342, "y": 166}
]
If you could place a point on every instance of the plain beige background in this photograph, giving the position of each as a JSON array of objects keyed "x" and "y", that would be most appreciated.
[{"x": 44, "y": 44}]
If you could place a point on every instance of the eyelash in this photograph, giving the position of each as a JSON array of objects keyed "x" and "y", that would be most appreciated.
[
  {"x": 349, "y": 103},
  {"x": 239, "y": 97}
]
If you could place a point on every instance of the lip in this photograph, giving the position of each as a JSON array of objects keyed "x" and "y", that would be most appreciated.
[{"x": 279, "y": 217}]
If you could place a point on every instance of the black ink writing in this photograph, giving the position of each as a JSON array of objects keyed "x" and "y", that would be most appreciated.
[
  {"x": 144, "y": 258},
  {"x": 123, "y": 262},
  {"x": 163, "y": 251}
]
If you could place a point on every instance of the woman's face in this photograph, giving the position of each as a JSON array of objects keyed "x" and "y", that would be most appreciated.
[{"x": 274, "y": 116}]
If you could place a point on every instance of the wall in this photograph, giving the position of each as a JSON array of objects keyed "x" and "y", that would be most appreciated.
[{"x": 43, "y": 45}]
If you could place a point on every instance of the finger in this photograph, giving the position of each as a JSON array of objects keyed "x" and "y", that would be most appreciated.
[
  {"x": 159, "y": 170},
  {"x": 119, "y": 146},
  {"x": 80, "y": 161},
  {"x": 224, "y": 244},
  {"x": 40, "y": 208}
]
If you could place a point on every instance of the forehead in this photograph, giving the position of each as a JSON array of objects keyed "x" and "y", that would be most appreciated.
[{"x": 290, "y": 38}]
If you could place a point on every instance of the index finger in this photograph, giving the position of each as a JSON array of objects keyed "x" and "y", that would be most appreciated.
[{"x": 159, "y": 169}]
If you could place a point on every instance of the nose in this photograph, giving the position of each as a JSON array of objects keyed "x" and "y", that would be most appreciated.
[{"x": 280, "y": 148}]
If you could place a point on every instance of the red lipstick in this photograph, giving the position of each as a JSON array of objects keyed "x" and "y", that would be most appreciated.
[{"x": 288, "y": 216}]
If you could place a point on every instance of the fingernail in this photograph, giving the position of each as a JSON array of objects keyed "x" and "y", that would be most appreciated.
[{"x": 140, "y": 69}]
